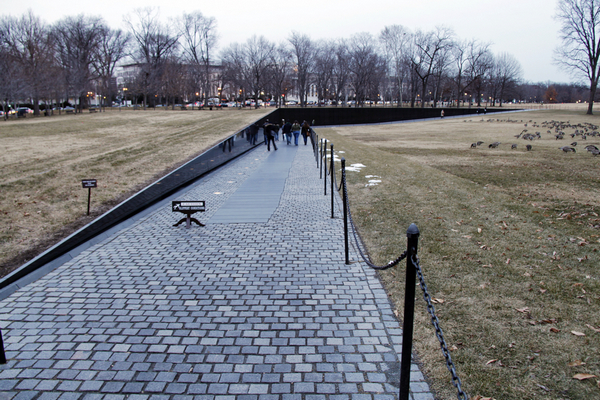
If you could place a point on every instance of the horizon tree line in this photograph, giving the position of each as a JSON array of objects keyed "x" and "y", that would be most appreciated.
[{"x": 77, "y": 57}]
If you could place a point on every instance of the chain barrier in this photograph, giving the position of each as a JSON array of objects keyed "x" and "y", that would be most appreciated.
[
  {"x": 354, "y": 232},
  {"x": 335, "y": 182},
  {"x": 339, "y": 187},
  {"x": 438, "y": 330},
  {"x": 415, "y": 262}
]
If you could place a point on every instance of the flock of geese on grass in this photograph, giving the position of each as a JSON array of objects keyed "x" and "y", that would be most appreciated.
[{"x": 581, "y": 130}]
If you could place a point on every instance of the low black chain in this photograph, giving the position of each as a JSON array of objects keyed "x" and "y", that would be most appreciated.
[
  {"x": 334, "y": 177},
  {"x": 416, "y": 263},
  {"x": 438, "y": 330},
  {"x": 335, "y": 181},
  {"x": 364, "y": 257}
]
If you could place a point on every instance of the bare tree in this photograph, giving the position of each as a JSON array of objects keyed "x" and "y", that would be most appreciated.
[
  {"x": 259, "y": 54},
  {"x": 11, "y": 80},
  {"x": 173, "y": 81},
  {"x": 341, "y": 71},
  {"x": 395, "y": 39},
  {"x": 303, "y": 50},
  {"x": 77, "y": 40},
  {"x": 467, "y": 55},
  {"x": 481, "y": 62},
  {"x": 235, "y": 68},
  {"x": 439, "y": 75},
  {"x": 155, "y": 43},
  {"x": 325, "y": 61},
  {"x": 248, "y": 65},
  {"x": 27, "y": 42},
  {"x": 112, "y": 48},
  {"x": 280, "y": 76},
  {"x": 366, "y": 67},
  {"x": 199, "y": 40},
  {"x": 580, "y": 34},
  {"x": 429, "y": 47},
  {"x": 506, "y": 74}
]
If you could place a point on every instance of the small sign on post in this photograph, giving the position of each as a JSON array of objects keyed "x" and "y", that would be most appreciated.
[
  {"x": 89, "y": 184},
  {"x": 188, "y": 208}
]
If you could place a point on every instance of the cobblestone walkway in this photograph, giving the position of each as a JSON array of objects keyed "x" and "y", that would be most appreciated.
[{"x": 238, "y": 310}]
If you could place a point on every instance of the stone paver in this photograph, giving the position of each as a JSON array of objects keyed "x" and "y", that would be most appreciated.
[{"x": 250, "y": 310}]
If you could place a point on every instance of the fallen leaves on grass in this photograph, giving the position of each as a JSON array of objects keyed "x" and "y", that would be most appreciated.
[
  {"x": 576, "y": 333},
  {"x": 582, "y": 377},
  {"x": 437, "y": 301},
  {"x": 554, "y": 330},
  {"x": 576, "y": 363},
  {"x": 478, "y": 397},
  {"x": 544, "y": 388},
  {"x": 592, "y": 328},
  {"x": 524, "y": 310}
]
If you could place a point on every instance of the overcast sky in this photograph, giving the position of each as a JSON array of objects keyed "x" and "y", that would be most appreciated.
[{"x": 524, "y": 28}]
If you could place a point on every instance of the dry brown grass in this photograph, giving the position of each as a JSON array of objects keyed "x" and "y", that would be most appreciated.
[
  {"x": 509, "y": 246},
  {"x": 44, "y": 159}
]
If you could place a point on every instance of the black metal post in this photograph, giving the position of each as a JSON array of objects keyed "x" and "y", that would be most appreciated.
[
  {"x": 345, "y": 201},
  {"x": 89, "y": 197},
  {"x": 409, "y": 310},
  {"x": 316, "y": 149},
  {"x": 332, "y": 173},
  {"x": 325, "y": 167},
  {"x": 321, "y": 161},
  {"x": 2, "y": 353}
]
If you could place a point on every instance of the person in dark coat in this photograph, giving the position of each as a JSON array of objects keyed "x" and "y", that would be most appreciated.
[
  {"x": 287, "y": 132},
  {"x": 305, "y": 131},
  {"x": 270, "y": 130},
  {"x": 252, "y": 133}
]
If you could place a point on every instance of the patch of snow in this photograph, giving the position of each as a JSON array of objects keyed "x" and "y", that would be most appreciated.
[
  {"x": 373, "y": 182},
  {"x": 355, "y": 167}
]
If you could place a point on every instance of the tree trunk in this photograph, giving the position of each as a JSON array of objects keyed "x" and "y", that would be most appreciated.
[{"x": 593, "y": 87}]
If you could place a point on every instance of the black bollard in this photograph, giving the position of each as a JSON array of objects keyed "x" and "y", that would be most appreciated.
[
  {"x": 332, "y": 172},
  {"x": 345, "y": 201},
  {"x": 409, "y": 310},
  {"x": 2, "y": 353},
  {"x": 321, "y": 161},
  {"x": 325, "y": 167}
]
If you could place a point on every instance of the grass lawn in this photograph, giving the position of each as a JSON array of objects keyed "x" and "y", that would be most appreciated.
[
  {"x": 509, "y": 238},
  {"x": 43, "y": 161},
  {"x": 509, "y": 245}
]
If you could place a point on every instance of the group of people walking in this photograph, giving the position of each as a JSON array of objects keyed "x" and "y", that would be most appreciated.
[{"x": 295, "y": 129}]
